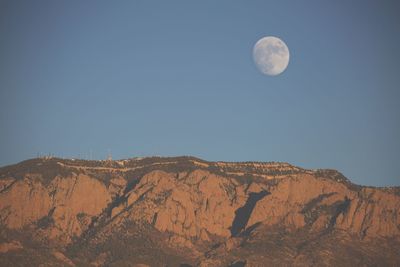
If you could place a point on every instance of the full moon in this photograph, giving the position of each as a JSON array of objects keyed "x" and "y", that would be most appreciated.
[{"x": 271, "y": 55}]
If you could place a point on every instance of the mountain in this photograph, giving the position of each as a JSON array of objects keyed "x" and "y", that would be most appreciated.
[{"x": 184, "y": 211}]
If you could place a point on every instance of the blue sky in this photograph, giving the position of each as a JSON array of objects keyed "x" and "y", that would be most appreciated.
[{"x": 142, "y": 78}]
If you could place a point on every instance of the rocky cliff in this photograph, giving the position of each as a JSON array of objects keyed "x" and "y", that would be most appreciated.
[{"x": 185, "y": 211}]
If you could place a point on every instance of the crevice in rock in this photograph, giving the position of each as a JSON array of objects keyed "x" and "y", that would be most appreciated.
[
  {"x": 334, "y": 210},
  {"x": 312, "y": 209},
  {"x": 47, "y": 220},
  {"x": 118, "y": 200},
  {"x": 154, "y": 220},
  {"x": 8, "y": 186},
  {"x": 242, "y": 214},
  {"x": 315, "y": 201},
  {"x": 249, "y": 230},
  {"x": 131, "y": 185},
  {"x": 341, "y": 208}
]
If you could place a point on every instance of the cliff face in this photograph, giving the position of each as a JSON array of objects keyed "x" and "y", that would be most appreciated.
[{"x": 186, "y": 210}]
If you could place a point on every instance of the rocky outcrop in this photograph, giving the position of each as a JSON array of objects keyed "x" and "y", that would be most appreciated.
[
  {"x": 206, "y": 209},
  {"x": 24, "y": 202},
  {"x": 62, "y": 209},
  {"x": 196, "y": 205},
  {"x": 323, "y": 203},
  {"x": 75, "y": 200},
  {"x": 371, "y": 213}
]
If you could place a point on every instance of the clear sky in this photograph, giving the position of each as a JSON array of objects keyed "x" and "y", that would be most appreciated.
[{"x": 141, "y": 78}]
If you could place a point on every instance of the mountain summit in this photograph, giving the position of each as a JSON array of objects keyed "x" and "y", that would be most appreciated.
[{"x": 184, "y": 211}]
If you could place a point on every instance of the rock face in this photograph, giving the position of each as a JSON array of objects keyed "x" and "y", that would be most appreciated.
[
  {"x": 65, "y": 206},
  {"x": 192, "y": 205},
  {"x": 188, "y": 211}
]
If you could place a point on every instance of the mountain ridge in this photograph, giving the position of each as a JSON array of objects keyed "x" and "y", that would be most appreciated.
[{"x": 192, "y": 211}]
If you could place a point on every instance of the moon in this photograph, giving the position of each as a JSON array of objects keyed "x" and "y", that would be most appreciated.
[{"x": 271, "y": 55}]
